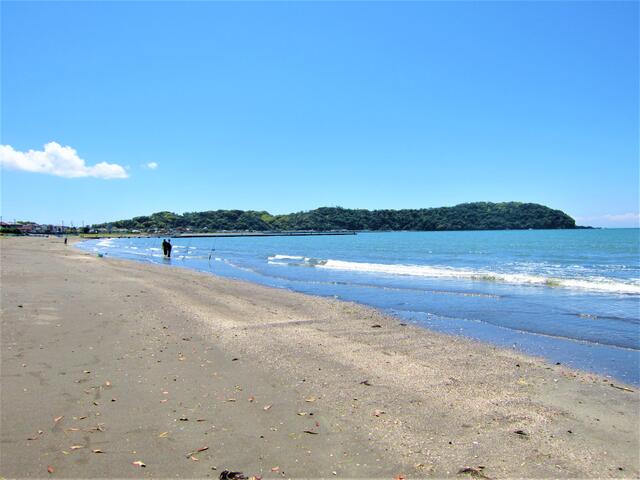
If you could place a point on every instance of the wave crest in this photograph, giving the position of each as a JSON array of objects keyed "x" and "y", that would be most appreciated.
[{"x": 592, "y": 284}]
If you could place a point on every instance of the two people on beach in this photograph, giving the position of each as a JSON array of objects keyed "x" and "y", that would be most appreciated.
[{"x": 166, "y": 248}]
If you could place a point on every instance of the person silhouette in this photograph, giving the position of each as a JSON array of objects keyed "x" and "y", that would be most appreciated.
[
  {"x": 164, "y": 247},
  {"x": 169, "y": 248}
]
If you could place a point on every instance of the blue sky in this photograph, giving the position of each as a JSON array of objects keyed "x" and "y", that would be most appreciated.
[{"x": 291, "y": 106}]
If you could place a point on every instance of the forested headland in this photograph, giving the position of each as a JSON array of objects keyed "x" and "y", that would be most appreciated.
[{"x": 466, "y": 216}]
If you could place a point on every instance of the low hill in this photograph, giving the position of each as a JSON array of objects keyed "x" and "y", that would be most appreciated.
[{"x": 466, "y": 216}]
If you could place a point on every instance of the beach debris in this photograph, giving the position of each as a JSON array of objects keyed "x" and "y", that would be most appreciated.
[
  {"x": 139, "y": 463},
  {"x": 57, "y": 419},
  {"x": 227, "y": 475},
  {"x": 310, "y": 432},
  {"x": 97, "y": 450},
  {"x": 35, "y": 437},
  {"x": 377, "y": 413},
  {"x": 163, "y": 434},
  {"x": 251, "y": 398},
  {"x": 19, "y": 306},
  {"x": 521, "y": 432},
  {"x": 365, "y": 382},
  {"x": 98, "y": 428},
  {"x": 400, "y": 476},
  {"x": 267, "y": 407},
  {"x": 50, "y": 469},
  {"x": 235, "y": 359},
  {"x": 275, "y": 469},
  {"x": 377, "y": 325},
  {"x": 201, "y": 420},
  {"x": 310, "y": 399},
  {"x": 76, "y": 447},
  {"x": 302, "y": 414},
  {"x": 620, "y": 387},
  {"x": 231, "y": 399},
  {"x": 183, "y": 419},
  {"x": 107, "y": 383},
  {"x": 473, "y": 471},
  {"x": 191, "y": 454}
]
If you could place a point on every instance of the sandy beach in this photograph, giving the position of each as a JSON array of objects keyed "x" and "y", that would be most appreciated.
[{"x": 107, "y": 362}]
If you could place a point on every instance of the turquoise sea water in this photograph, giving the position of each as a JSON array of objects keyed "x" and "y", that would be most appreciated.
[{"x": 572, "y": 296}]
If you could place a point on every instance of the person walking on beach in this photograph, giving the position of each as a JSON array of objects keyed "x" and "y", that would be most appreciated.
[
  {"x": 169, "y": 248},
  {"x": 65, "y": 240},
  {"x": 164, "y": 247}
]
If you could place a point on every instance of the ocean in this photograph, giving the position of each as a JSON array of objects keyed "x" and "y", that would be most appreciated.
[{"x": 571, "y": 296}]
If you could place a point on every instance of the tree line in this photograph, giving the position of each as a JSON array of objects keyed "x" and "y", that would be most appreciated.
[{"x": 466, "y": 216}]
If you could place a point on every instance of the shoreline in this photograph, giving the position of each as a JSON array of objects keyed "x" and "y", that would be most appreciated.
[
  {"x": 388, "y": 398},
  {"x": 619, "y": 367}
]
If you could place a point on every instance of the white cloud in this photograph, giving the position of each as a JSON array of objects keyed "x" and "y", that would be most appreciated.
[
  {"x": 152, "y": 165},
  {"x": 631, "y": 219},
  {"x": 59, "y": 161}
]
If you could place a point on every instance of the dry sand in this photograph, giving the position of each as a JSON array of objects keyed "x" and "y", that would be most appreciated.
[{"x": 151, "y": 363}]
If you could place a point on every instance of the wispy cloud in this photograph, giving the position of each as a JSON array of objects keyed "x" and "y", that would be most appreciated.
[
  {"x": 151, "y": 165},
  {"x": 59, "y": 161},
  {"x": 630, "y": 219}
]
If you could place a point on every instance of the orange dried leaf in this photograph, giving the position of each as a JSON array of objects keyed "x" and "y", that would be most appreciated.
[
  {"x": 275, "y": 469},
  {"x": 50, "y": 469},
  {"x": 202, "y": 449}
]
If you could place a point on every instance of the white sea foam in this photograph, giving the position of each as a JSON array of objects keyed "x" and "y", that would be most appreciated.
[
  {"x": 593, "y": 284},
  {"x": 105, "y": 243},
  {"x": 285, "y": 257}
]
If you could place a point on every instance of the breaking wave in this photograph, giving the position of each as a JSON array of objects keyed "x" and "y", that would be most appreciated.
[{"x": 593, "y": 284}]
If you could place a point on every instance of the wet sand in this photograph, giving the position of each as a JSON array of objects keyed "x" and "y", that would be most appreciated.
[{"x": 107, "y": 362}]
